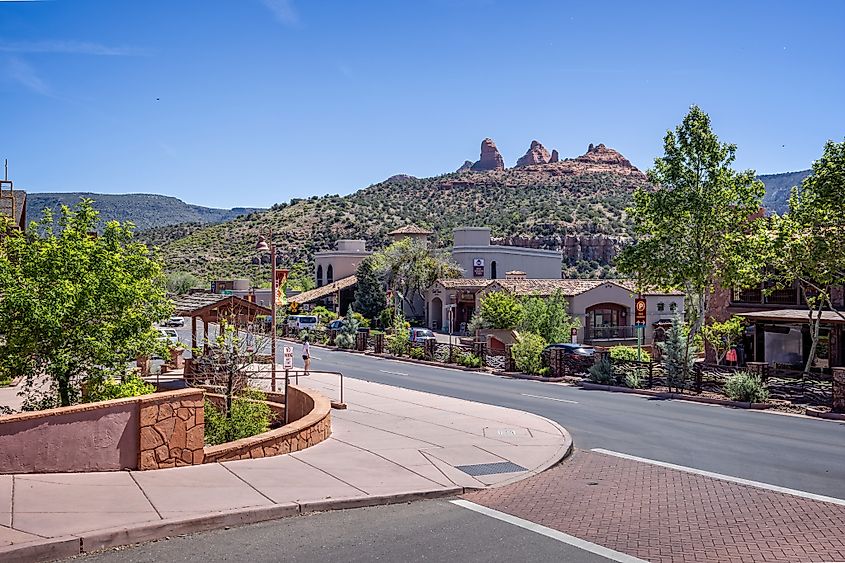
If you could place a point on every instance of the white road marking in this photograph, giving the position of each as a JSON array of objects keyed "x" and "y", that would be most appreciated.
[
  {"x": 729, "y": 478},
  {"x": 392, "y": 372},
  {"x": 549, "y": 398},
  {"x": 549, "y": 532}
]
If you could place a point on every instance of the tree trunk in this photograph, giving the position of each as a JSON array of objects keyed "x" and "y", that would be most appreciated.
[
  {"x": 815, "y": 329},
  {"x": 64, "y": 391}
]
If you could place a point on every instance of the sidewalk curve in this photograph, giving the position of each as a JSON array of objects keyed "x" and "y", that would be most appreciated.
[{"x": 390, "y": 445}]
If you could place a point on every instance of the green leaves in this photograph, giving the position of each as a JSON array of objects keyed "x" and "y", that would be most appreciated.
[
  {"x": 695, "y": 228},
  {"x": 501, "y": 310},
  {"x": 77, "y": 305}
]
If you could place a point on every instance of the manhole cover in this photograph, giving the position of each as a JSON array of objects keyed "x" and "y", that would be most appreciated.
[{"x": 491, "y": 468}]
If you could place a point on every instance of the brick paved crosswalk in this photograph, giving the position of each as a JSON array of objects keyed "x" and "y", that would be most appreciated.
[{"x": 661, "y": 514}]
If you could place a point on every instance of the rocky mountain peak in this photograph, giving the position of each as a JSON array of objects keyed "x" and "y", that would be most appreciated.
[
  {"x": 537, "y": 154},
  {"x": 491, "y": 158},
  {"x": 600, "y": 154},
  {"x": 467, "y": 165}
]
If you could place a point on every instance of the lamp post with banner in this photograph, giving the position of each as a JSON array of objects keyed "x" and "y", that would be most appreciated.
[{"x": 261, "y": 247}]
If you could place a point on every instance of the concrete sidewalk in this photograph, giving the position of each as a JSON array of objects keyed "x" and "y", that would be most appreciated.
[{"x": 390, "y": 445}]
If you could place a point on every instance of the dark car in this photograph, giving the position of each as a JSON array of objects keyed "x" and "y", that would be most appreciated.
[
  {"x": 576, "y": 356},
  {"x": 335, "y": 324}
]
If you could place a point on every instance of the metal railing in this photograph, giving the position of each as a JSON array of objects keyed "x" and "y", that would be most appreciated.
[{"x": 594, "y": 333}]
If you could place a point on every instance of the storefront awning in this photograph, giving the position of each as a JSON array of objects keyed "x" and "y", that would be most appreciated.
[{"x": 797, "y": 316}]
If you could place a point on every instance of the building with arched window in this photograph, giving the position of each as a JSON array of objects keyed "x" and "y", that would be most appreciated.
[
  {"x": 335, "y": 265},
  {"x": 480, "y": 259}
]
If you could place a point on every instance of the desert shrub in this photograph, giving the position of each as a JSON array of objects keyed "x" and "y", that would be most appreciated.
[
  {"x": 545, "y": 371},
  {"x": 633, "y": 380},
  {"x": 106, "y": 389},
  {"x": 746, "y": 387},
  {"x": 628, "y": 353},
  {"x": 469, "y": 360},
  {"x": 249, "y": 416},
  {"x": 602, "y": 372},
  {"x": 397, "y": 342},
  {"x": 416, "y": 352},
  {"x": 526, "y": 352},
  {"x": 345, "y": 337},
  {"x": 303, "y": 334}
]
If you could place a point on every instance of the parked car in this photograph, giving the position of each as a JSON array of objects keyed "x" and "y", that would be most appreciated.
[
  {"x": 302, "y": 322},
  {"x": 421, "y": 335},
  {"x": 579, "y": 354},
  {"x": 174, "y": 321},
  {"x": 169, "y": 335},
  {"x": 335, "y": 324}
]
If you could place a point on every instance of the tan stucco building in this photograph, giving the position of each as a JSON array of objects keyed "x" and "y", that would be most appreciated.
[
  {"x": 480, "y": 259},
  {"x": 334, "y": 265},
  {"x": 604, "y": 308}
]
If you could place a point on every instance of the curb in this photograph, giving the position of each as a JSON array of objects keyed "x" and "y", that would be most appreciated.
[
  {"x": 826, "y": 415},
  {"x": 663, "y": 395},
  {"x": 87, "y": 542},
  {"x": 518, "y": 375}
]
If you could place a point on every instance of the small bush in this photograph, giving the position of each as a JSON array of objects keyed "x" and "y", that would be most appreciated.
[
  {"x": 110, "y": 388},
  {"x": 628, "y": 353},
  {"x": 250, "y": 416},
  {"x": 545, "y": 371},
  {"x": 526, "y": 352},
  {"x": 396, "y": 345},
  {"x": 745, "y": 387},
  {"x": 469, "y": 360},
  {"x": 416, "y": 352},
  {"x": 633, "y": 380},
  {"x": 344, "y": 340},
  {"x": 602, "y": 372}
]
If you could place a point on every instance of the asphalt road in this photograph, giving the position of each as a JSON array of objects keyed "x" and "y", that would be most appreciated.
[
  {"x": 430, "y": 531},
  {"x": 789, "y": 451}
]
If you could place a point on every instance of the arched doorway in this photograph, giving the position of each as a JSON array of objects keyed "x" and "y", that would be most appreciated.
[
  {"x": 436, "y": 314},
  {"x": 608, "y": 321}
]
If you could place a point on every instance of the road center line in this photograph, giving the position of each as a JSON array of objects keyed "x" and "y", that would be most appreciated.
[
  {"x": 549, "y": 532},
  {"x": 729, "y": 478},
  {"x": 392, "y": 372},
  {"x": 549, "y": 398}
]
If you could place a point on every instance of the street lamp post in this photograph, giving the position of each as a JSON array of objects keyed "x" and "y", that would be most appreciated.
[{"x": 262, "y": 246}]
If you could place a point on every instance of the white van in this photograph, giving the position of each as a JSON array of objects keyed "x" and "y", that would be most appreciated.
[{"x": 302, "y": 322}]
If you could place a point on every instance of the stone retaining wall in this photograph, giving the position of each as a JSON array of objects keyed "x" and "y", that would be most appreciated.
[
  {"x": 309, "y": 423},
  {"x": 172, "y": 429}
]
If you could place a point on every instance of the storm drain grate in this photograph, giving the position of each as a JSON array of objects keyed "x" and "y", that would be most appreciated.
[{"x": 491, "y": 468}]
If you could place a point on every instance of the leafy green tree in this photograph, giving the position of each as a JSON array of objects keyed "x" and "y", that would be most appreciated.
[
  {"x": 807, "y": 245},
  {"x": 301, "y": 278},
  {"x": 501, "y": 310},
  {"x": 410, "y": 267},
  {"x": 548, "y": 316},
  {"x": 693, "y": 229},
  {"x": 76, "y": 305},
  {"x": 181, "y": 282},
  {"x": 720, "y": 336},
  {"x": 369, "y": 292}
]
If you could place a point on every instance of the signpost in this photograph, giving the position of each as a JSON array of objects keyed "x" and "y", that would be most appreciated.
[
  {"x": 478, "y": 267},
  {"x": 639, "y": 321},
  {"x": 288, "y": 354}
]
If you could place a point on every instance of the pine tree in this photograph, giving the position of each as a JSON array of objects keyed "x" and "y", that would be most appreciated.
[
  {"x": 369, "y": 293},
  {"x": 678, "y": 355}
]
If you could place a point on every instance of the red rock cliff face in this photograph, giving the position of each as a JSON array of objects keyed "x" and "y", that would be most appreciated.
[
  {"x": 537, "y": 154},
  {"x": 490, "y": 159}
]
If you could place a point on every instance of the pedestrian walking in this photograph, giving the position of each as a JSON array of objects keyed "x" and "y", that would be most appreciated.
[{"x": 306, "y": 354}]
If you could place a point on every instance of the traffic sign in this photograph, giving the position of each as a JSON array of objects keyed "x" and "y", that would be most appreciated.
[
  {"x": 288, "y": 355},
  {"x": 639, "y": 311}
]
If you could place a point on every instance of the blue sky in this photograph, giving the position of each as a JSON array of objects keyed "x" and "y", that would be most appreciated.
[{"x": 252, "y": 102}]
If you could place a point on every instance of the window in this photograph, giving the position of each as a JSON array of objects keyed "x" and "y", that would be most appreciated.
[
  {"x": 660, "y": 307},
  {"x": 320, "y": 275},
  {"x": 329, "y": 274},
  {"x": 673, "y": 306},
  {"x": 493, "y": 270}
]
